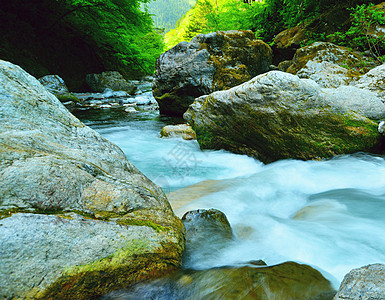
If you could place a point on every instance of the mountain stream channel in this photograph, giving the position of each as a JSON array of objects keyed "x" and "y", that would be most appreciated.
[{"x": 328, "y": 214}]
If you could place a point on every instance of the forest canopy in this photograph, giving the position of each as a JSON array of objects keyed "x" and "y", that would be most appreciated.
[{"x": 266, "y": 18}]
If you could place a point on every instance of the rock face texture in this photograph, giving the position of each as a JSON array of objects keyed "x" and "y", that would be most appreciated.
[
  {"x": 77, "y": 219},
  {"x": 210, "y": 62},
  {"x": 327, "y": 64},
  {"x": 374, "y": 81},
  {"x": 109, "y": 80},
  {"x": 289, "y": 281},
  {"x": 364, "y": 283},
  {"x": 278, "y": 115}
]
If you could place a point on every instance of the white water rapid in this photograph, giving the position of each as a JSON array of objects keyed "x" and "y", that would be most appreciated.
[{"x": 329, "y": 214}]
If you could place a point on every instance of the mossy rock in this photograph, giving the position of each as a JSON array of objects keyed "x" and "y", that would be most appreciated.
[
  {"x": 210, "y": 62},
  {"x": 278, "y": 116},
  {"x": 288, "y": 281}
]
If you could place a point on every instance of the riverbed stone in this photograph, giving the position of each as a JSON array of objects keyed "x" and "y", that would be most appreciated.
[
  {"x": 363, "y": 283},
  {"x": 207, "y": 232},
  {"x": 78, "y": 217},
  {"x": 181, "y": 130},
  {"x": 278, "y": 115},
  {"x": 210, "y": 62},
  {"x": 288, "y": 280},
  {"x": 109, "y": 80}
]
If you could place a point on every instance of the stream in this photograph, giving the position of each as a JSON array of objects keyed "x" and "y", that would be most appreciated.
[{"x": 328, "y": 214}]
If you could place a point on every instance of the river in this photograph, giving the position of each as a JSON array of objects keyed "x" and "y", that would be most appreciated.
[{"x": 328, "y": 214}]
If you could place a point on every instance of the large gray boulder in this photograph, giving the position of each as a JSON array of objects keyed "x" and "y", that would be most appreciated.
[
  {"x": 278, "y": 115},
  {"x": 364, "y": 283},
  {"x": 210, "y": 62},
  {"x": 77, "y": 219}
]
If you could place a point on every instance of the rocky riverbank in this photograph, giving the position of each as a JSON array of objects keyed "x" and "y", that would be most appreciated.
[{"x": 77, "y": 218}]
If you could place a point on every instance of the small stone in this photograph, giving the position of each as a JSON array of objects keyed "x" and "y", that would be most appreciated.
[{"x": 182, "y": 130}]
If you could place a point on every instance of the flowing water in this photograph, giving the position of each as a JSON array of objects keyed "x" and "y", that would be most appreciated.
[{"x": 328, "y": 214}]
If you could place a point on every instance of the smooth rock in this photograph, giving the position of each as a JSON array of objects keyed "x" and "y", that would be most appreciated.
[
  {"x": 109, "y": 80},
  {"x": 210, "y": 62},
  {"x": 52, "y": 164},
  {"x": 182, "y": 130},
  {"x": 278, "y": 115},
  {"x": 54, "y": 84},
  {"x": 365, "y": 283}
]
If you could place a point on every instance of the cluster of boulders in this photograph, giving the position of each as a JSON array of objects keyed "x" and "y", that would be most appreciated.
[
  {"x": 77, "y": 220},
  {"x": 106, "y": 90},
  {"x": 210, "y": 62},
  {"x": 323, "y": 102}
]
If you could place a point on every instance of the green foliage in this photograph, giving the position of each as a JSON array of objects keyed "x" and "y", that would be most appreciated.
[
  {"x": 213, "y": 15},
  {"x": 362, "y": 33},
  {"x": 121, "y": 31},
  {"x": 166, "y": 13}
]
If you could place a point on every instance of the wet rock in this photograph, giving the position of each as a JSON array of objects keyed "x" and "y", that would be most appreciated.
[
  {"x": 210, "y": 62},
  {"x": 278, "y": 115},
  {"x": 182, "y": 130},
  {"x": 207, "y": 230},
  {"x": 79, "y": 219},
  {"x": 109, "y": 80},
  {"x": 289, "y": 281},
  {"x": 364, "y": 283}
]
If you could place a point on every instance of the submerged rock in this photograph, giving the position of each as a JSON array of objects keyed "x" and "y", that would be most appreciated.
[
  {"x": 183, "y": 130},
  {"x": 210, "y": 62},
  {"x": 109, "y": 80},
  {"x": 278, "y": 115},
  {"x": 78, "y": 219},
  {"x": 364, "y": 283},
  {"x": 289, "y": 281}
]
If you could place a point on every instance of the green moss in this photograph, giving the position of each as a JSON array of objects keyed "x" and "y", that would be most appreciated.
[
  {"x": 134, "y": 247},
  {"x": 67, "y": 97},
  {"x": 8, "y": 212},
  {"x": 136, "y": 262},
  {"x": 139, "y": 222}
]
